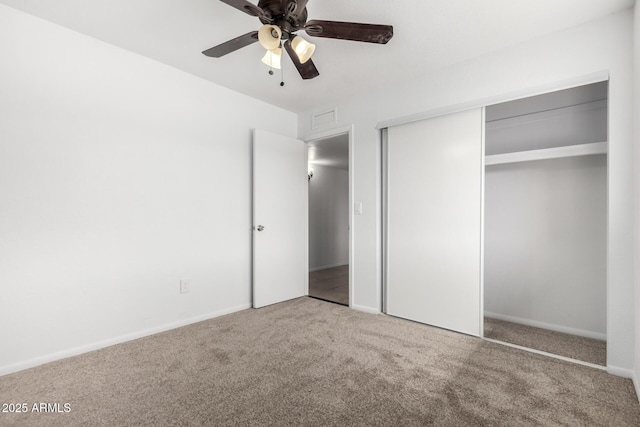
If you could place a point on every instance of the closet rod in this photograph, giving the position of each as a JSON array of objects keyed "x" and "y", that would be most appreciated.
[{"x": 547, "y": 153}]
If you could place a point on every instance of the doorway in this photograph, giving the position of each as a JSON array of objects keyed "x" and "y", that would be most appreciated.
[{"x": 329, "y": 219}]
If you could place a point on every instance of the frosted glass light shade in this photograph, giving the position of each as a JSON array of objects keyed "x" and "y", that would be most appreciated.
[
  {"x": 302, "y": 48},
  {"x": 269, "y": 36},
  {"x": 272, "y": 58}
]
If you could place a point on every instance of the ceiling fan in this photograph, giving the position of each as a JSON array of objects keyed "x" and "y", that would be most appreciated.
[{"x": 281, "y": 19}]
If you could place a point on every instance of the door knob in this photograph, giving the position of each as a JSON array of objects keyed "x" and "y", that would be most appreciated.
[{"x": 260, "y": 228}]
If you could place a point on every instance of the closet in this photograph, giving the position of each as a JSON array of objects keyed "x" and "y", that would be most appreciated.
[
  {"x": 545, "y": 226},
  {"x": 495, "y": 221}
]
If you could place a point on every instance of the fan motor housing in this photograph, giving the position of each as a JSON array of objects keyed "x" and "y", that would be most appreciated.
[{"x": 277, "y": 10}]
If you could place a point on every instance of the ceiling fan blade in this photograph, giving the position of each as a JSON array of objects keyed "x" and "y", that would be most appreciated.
[
  {"x": 370, "y": 33},
  {"x": 232, "y": 45},
  {"x": 307, "y": 70},
  {"x": 246, "y": 7}
]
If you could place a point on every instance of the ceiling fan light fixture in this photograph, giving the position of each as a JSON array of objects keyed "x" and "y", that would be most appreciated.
[
  {"x": 272, "y": 58},
  {"x": 269, "y": 36},
  {"x": 281, "y": 19},
  {"x": 302, "y": 48}
]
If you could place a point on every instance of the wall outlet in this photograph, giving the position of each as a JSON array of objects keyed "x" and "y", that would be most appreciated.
[{"x": 184, "y": 286}]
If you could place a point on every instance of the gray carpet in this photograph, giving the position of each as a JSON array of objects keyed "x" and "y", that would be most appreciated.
[
  {"x": 307, "y": 362},
  {"x": 585, "y": 349}
]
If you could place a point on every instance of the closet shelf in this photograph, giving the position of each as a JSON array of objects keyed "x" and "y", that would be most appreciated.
[{"x": 547, "y": 153}]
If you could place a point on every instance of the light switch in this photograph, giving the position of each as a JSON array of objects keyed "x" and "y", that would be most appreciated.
[{"x": 358, "y": 208}]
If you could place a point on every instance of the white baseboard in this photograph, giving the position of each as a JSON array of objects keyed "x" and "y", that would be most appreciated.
[
  {"x": 636, "y": 384},
  {"x": 365, "y": 309},
  {"x": 326, "y": 267},
  {"x": 549, "y": 326},
  {"x": 37, "y": 361},
  {"x": 620, "y": 372}
]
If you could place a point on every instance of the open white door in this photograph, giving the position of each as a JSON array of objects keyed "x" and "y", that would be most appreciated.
[
  {"x": 280, "y": 219},
  {"x": 434, "y": 193}
]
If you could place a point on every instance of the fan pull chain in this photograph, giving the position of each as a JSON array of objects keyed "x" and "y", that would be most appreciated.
[
  {"x": 281, "y": 75},
  {"x": 281, "y": 68},
  {"x": 271, "y": 65}
]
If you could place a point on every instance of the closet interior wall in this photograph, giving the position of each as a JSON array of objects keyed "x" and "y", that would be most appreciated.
[{"x": 545, "y": 228}]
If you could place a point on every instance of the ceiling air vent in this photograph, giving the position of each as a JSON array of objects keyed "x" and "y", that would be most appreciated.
[{"x": 325, "y": 118}]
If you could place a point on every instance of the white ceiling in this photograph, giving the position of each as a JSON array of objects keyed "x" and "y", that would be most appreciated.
[{"x": 429, "y": 34}]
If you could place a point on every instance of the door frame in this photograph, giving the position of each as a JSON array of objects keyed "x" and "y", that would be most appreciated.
[{"x": 319, "y": 136}]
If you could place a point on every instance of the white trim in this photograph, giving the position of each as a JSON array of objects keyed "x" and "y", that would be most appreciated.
[
  {"x": 37, "y": 361},
  {"x": 549, "y": 326},
  {"x": 305, "y": 291},
  {"x": 544, "y": 353},
  {"x": 384, "y": 213},
  {"x": 620, "y": 372},
  {"x": 634, "y": 378},
  {"x": 485, "y": 102},
  {"x": 352, "y": 187},
  {"x": 365, "y": 309},
  {"x": 483, "y": 134},
  {"x": 547, "y": 153},
  {"x": 326, "y": 267},
  {"x": 329, "y": 133}
]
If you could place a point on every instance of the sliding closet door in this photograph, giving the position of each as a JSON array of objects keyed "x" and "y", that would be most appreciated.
[{"x": 434, "y": 191}]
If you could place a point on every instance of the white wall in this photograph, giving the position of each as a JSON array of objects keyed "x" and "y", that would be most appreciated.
[
  {"x": 119, "y": 176},
  {"x": 545, "y": 243},
  {"x": 580, "y": 124},
  {"x": 526, "y": 69},
  {"x": 328, "y": 217}
]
